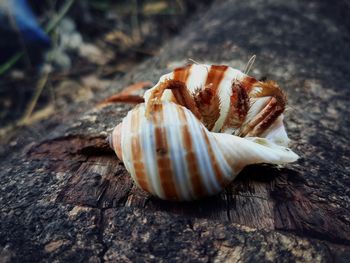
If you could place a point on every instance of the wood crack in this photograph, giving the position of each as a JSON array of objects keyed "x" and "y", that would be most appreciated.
[{"x": 101, "y": 228}]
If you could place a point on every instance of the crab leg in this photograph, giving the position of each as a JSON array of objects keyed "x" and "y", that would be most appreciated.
[
  {"x": 273, "y": 108},
  {"x": 239, "y": 105},
  {"x": 181, "y": 93},
  {"x": 264, "y": 119}
]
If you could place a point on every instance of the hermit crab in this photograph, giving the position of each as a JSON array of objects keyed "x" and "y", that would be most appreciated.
[{"x": 198, "y": 127}]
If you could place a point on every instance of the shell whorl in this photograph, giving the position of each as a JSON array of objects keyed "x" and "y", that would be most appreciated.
[{"x": 172, "y": 155}]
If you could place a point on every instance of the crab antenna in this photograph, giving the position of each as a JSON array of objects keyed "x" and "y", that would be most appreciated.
[
  {"x": 249, "y": 65},
  {"x": 192, "y": 60}
]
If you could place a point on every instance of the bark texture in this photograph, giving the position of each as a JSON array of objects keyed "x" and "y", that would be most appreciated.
[{"x": 65, "y": 197}]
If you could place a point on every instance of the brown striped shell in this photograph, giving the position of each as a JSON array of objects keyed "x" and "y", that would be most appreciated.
[
  {"x": 171, "y": 154},
  {"x": 185, "y": 141}
]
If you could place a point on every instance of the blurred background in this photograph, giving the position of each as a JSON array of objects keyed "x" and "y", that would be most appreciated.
[{"x": 54, "y": 52}]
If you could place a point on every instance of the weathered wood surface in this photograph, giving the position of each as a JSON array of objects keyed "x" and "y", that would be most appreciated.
[{"x": 65, "y": 197}]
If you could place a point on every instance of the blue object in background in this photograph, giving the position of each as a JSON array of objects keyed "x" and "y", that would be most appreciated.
[{"x": 20, "y": 30}]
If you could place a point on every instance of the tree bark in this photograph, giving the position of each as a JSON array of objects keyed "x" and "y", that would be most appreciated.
[{"x": 67, "y": 198}]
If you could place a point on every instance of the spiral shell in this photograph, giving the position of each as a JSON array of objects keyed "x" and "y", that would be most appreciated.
[
  {"x": 172, "y": 155},
  {"x": 199, "y": 127}
]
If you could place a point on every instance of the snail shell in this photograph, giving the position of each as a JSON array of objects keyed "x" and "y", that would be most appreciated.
[{"x": 171, "y": 154}]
